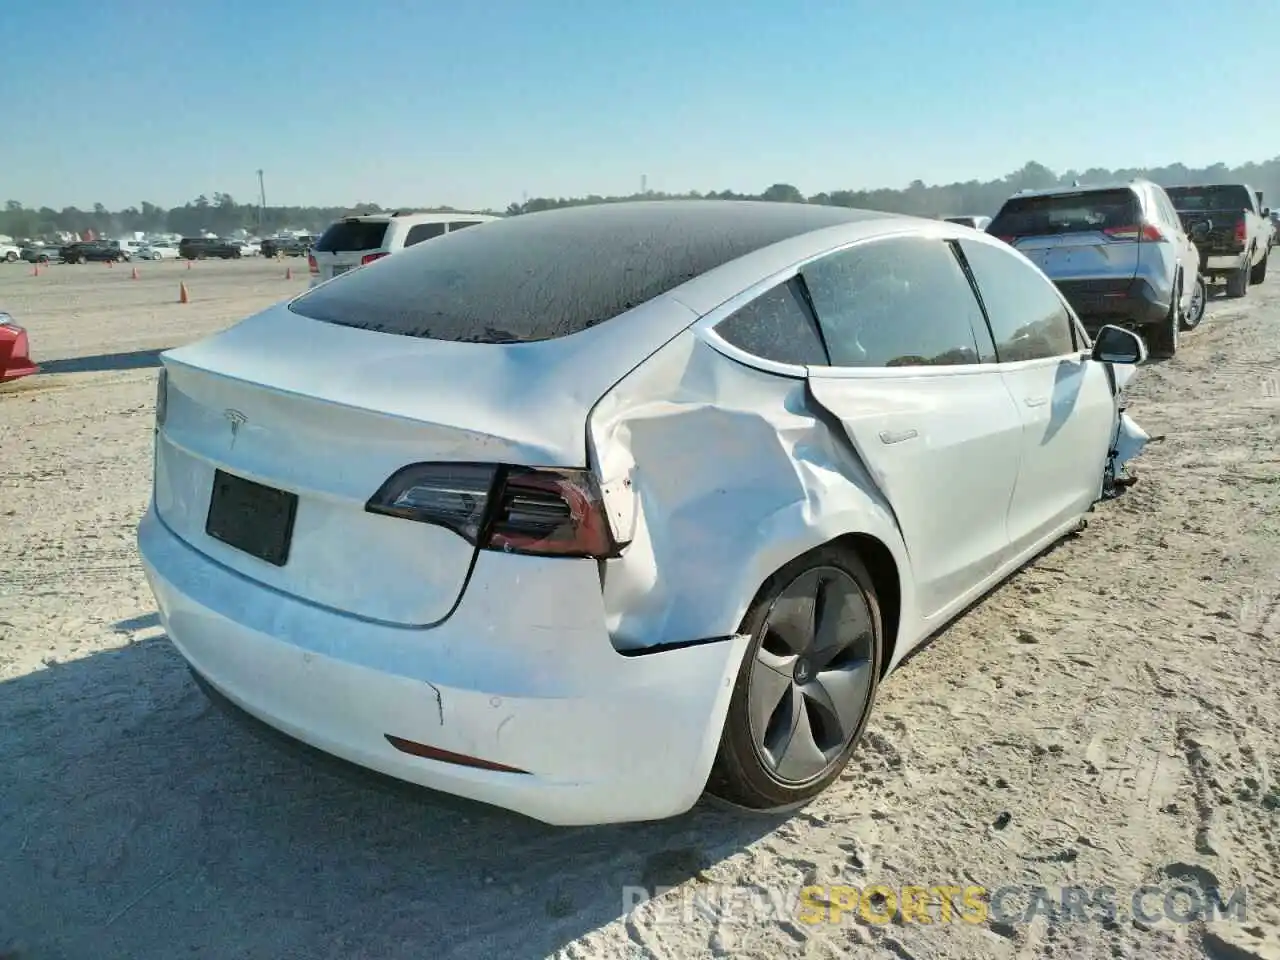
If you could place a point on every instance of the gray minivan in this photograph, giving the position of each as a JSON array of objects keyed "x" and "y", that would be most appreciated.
[{"x": 1118, "y": 253}]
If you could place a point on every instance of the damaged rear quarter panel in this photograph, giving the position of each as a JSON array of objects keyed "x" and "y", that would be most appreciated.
[{"x": 718, "y": 474}]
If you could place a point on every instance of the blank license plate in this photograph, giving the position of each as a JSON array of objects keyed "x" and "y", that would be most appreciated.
[{"x": 251, "y": 517}]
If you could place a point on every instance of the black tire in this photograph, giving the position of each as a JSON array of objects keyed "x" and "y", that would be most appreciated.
[
  {"x": 10, "y": 257},
  {"x": 1195, "y": 313},
  {"x": 1238, "y": 282},
  {"x": 740, "y": 774},
  {"x": 1162, "y": 337},
  {"x": 1259, "y": 271}
]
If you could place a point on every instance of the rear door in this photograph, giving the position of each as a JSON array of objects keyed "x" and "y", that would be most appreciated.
[
  {"x": 1064, "y": 398},
  {"x": 1076, "y": 238},
  {"x": 914, "y": 385},
  {"x": 346, "y": 243}
]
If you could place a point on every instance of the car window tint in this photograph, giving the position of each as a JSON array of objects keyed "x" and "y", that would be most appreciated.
[
  {"x": 1027, "y": 315},
  {"x": 776, "y": 326},
  {"x": 459, "y": 224},
  {"x": 901, "y": 301},
  {"x": 423, "y": 231}
]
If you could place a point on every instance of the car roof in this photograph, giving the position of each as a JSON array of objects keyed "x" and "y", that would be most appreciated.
[
  {"x": 586, "y": 264},
  {"x": 417, "y": 217},
  {"x": 1082, "y": 188}
]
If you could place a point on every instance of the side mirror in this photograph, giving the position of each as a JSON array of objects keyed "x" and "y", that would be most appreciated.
[
  {"x": 1266, "y": 211},
  {"x": 1118, "y": 345},
  {"x": 1200, "y": 229}
]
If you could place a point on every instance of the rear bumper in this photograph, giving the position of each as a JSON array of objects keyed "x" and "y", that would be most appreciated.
[
  {"x": 1217, "y": 265},
  {"x": 522, "y": 675},
  {"x": 15, "y": 358},
  {"x": 1100, "y": 302}
]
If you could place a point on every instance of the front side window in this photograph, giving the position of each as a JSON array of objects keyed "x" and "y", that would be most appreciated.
[
  {"x": 1028, "y": 317},
  {"x": 776, "y": 326},
  {"x": 900, "y": 301}
]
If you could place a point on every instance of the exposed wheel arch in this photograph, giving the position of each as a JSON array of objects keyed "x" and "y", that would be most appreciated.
[{"x": 878, "y": 560}]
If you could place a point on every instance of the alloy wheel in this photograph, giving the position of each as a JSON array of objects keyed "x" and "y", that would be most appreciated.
[{"x": 812, "y": 679}]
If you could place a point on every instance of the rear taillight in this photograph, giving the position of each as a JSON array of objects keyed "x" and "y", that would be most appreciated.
[
  {"x": 543, "y": 512},
  {"x": 311, "y": 263},
  {"x": 370, "y": 257},
  {"x": 1146, "y": 231},
  {"x": 1242, "y": 233}
]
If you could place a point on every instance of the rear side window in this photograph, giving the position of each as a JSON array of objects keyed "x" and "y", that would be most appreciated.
[
  {"x": 777, "y": 326},
  {"x": 423, "y": 231},
  {"x": 898, "y": 302},
  {"x": 459, "y": 224},
  {"x": 349, "y": 236},
  {"x": 1192, "y": 199},
  {"x": 1083, "y": 212},
  {"x": 1027, "y": 315}
]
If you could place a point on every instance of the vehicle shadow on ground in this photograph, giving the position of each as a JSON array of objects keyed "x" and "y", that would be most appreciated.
[
  {"x": 133, "y": 360},
  {"x": 139, "y": 820}
]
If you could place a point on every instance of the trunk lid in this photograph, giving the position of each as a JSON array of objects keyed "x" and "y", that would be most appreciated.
[
  {"x": 345, "y": 244},
  {"x": 328, "y": 413},
  {"x": 1070, "y": 235}
]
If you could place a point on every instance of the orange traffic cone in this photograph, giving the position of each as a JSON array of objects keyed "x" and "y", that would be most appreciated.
[
  {"x": 134, "y": 275},
  {"x": 111, "y": 263},
  {"x": 288, "y": 273},
  {"x": 183, "y": 296},
  {"x": 188, "y": 264},
  {"x": 35, "y": 270}
]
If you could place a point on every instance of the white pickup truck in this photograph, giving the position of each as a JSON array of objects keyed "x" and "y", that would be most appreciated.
[{"x": 1238, "y": 242}]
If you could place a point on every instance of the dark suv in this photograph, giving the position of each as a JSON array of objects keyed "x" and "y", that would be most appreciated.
[
  {"x": 198, "y": 248},
  {"x": 287, "y": 246},
  {"x": 90, "y": 251}
]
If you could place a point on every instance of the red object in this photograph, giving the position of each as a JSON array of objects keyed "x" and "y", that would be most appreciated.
[
  {"x": 134, "y": 275},
  {"x": 15, "y": 353},
  {"x": 312, "y": 266},
  {"x": 288, "y": 273},
  {"x": 370, "y": 257},
  {"x": 183, "y": 296},
  {"x": 1144, "y": 231},
  {"x": 1242, "y": 232}
]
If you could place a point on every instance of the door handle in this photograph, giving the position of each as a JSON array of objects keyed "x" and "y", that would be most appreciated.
[
  {"x": 1035, "y": 401},
  {"x": 897, "y": 436}
]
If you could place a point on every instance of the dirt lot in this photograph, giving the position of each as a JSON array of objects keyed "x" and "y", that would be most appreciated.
[{"x": 1108, "y": 717}]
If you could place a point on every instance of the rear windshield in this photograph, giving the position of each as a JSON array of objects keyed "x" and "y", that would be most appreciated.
[
  {"x": 546, "y": 275},
  {"x": 1210, "y": 198},
  {"x": 1082, "y": 212},
  {"x": 347, "y": 236}
]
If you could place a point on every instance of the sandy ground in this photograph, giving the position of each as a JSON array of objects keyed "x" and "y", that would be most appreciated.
[{"x": 1110, "y": 716}]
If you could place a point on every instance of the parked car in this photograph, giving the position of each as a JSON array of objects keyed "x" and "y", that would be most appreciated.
[
  {"x": 1275, "y": 226},
  {"x": 1235, "y": 248},
  {"x": 284, "y": 247},
  {"x": 631, "y": 500},
  {"x": 248, "y": 248},
  {"x": 15, "y": 351},
  {"x": 354, "y": 241},
  {"x": 158, "y": 250},
  {"x": 130, "y": 248},
  {"x": 41, "y": 254},
  {"x": 1118, "y": 253},
  {"x": 200, "y": 248},
  {"x": 9, "y": 253},
  {"x": 92, "y": 251},
  {"x": 977, "y": 223}
]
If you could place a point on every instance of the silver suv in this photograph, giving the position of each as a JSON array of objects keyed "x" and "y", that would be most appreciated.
[{"x": 1118, "y": 253}]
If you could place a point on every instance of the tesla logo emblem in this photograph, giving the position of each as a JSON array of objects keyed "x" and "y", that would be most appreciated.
[{"x": 237, "y": 420}]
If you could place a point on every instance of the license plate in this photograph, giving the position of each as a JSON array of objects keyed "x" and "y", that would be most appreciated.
[
  {"x": 341, "y": 269},
  {"x": 253, "y": 518}
]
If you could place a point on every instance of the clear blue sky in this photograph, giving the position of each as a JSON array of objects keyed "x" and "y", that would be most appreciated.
[{"x": 474, "y": 104}]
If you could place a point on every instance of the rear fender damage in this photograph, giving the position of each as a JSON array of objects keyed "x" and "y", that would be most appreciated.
[
  {"x": 1127, "y": 440},
  {"x": 738, "y": 474}
]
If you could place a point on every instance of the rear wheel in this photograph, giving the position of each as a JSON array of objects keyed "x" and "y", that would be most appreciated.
[
  {"x": 1238, "y": 281},
  {"x": 11, "y": 257},
  {"x": 1259, "y": 272},
  {"x": 1195, "y": 311},
  {"x": 806, "y": 685},
  {"x": 1162, "y": 338}
]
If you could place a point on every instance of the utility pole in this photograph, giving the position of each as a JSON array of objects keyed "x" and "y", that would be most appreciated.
[{"x": 262, "y": 202}]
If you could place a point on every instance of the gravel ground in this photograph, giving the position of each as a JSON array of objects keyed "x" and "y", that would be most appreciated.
[{"x": 1110, "y": 716}]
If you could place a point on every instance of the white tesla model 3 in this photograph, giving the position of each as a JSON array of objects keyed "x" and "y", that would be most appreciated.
[{"x": 582, "y": 513}]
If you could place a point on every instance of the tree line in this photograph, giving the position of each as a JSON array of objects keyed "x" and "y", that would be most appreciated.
[{"x": 222, "y": 215}]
